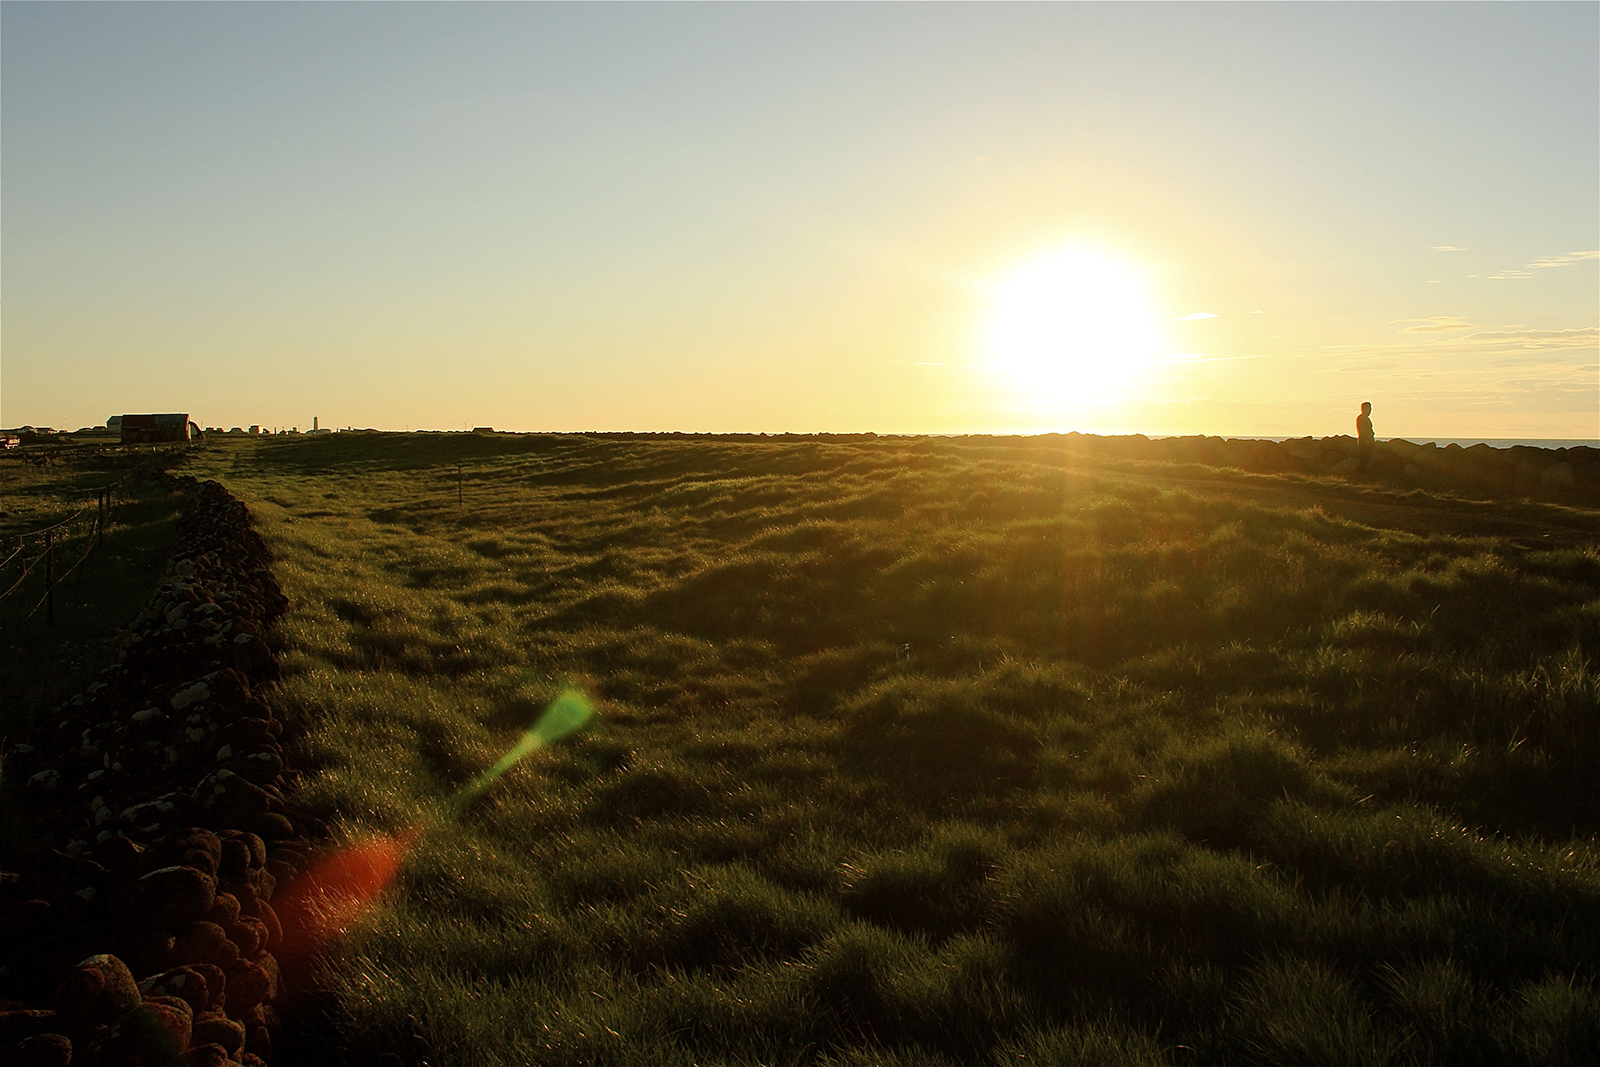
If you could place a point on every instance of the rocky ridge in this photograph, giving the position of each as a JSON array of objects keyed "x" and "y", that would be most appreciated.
[
  {"x": 1560, "y": 475},
  {"x": 144, "y": 933}
]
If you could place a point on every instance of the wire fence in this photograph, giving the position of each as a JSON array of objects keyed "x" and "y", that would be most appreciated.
[{"x": 73, "y": 538}]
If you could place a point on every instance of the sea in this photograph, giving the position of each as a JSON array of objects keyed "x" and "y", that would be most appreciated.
[{"x": 1468, "y": 442}]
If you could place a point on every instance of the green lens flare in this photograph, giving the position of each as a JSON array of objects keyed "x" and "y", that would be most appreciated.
[{"x": 568, "y": 712}]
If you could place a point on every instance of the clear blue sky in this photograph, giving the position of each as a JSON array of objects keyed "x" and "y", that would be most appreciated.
[{"x": 797, "y": 217}]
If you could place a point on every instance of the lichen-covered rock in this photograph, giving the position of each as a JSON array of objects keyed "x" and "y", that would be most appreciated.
[
  {"x": 16, "y": 1025},
  {"x": 148, "y": 1036},
  {"x": 174, "y": 896},
  {"x": 269, "y": 919},
  {"x": 271, "y": 825},
  {"x": 269, "y": 963},
  {"x": 177, "y": 1004},
  {"x": 185, "y": 982},
  {"x": 236, "y": 859},
  {"x": 225, "y": 912},
  {"x": 216, "y": 984},
  {"x": 149, "y": 950},
  {"x": 192, "y": 847},
  {"x": 207, "y": 1055},
  {"x": 218, "y": 1029},
  {"x": 226, "y": 798},
  {"x": 248, "y": 985},
  {"x": 100, "y": 986},
  {"x": 261, "y": 767},
  {"x": 40, "y": 1050},
  {"x": 206, "y": 942},
  {"x": 250, "y": 934},
  {"x": 259, "y": 1042}
]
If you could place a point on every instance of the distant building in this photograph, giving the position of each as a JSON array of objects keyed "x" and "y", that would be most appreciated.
[
  {"x": 154, "y": 429},
  {"x": 483, "y": 429}
]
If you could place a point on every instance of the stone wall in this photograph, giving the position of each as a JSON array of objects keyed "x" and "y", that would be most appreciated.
[{"x": 141, "y": 929}]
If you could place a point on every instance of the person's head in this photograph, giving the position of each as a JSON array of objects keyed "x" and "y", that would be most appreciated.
[{"x": 1366, "y": 407}]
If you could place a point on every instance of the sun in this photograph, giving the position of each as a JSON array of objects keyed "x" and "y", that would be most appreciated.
[{"x": 1073, "y": 327}]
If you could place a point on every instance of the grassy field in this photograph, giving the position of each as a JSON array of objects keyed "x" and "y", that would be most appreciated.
[{"x": 940, "y": 750}]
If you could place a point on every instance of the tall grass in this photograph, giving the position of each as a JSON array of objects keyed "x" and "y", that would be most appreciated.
[{"x": 967, "y": 750}]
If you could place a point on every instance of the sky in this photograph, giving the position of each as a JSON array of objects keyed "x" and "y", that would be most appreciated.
[{"x": 1235, "y": 219}]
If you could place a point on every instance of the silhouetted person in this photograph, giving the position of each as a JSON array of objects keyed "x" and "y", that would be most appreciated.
[{"x": 1365, "y": 438}]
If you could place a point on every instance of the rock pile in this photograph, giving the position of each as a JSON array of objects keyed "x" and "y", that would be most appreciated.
[{"x": 158, "y": 792}]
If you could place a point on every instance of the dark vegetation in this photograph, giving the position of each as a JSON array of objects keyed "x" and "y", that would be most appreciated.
[
  {"x": 43, "y": 663},
  {"x": 963, "y": 750}
]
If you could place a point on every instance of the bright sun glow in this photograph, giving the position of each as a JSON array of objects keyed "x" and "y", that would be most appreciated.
[{"x": 1073, "y": 328}]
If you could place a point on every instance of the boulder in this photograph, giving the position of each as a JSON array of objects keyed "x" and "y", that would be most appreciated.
[
  {"x": 260, "y": 1043},
  {"x": 206, "y": 942},
  {"x": 269, "y": 919},
  {"x": 218, "y": 1029},
  {"x": 16, "y": 1025},
  {"x": 1557, "y": 476},
  {"x": 216, "y": 984},
  {"x": 149, "y": 950},
  {"x": 40, "y": 1050},
  {"x": 270, "y": 826},
  {"x": 206, "y": 1055},
  {"x": 148, "y": 1036},
  {"x": 100, "y": 986},
  {"x": 174, "y": 896},
  {"x": 248, "y": 985},
  {"x": 228, "y": 799},
  {"x": 192, "y": 847},
  {"x": 250, "y": 934},
  {"x": 183, "y": 982},
  {"x": 225, "y": 912}
]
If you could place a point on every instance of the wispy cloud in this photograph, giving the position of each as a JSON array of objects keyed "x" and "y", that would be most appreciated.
[
  {"x": 1545, "y": 263},
  {"x": 1562, "y": 261},
  {"x": 1543, "y": 340},
  {"x": 1437, "y": 324},
  {"x": 1448, "y": 248},
  {"x": 1196, "y": 315},
  {"x": 1452, "y": 337}
]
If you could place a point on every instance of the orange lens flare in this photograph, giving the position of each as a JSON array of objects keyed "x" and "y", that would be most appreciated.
[{"x": 327, "y": 900}]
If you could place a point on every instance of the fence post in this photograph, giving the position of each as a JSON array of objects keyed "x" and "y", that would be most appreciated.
[
  {"x": 49, "y": 577},
  {"x": 458, "y": 485}
]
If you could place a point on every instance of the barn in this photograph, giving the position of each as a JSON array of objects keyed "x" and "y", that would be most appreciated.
[{"x": 151, "y": 429}]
